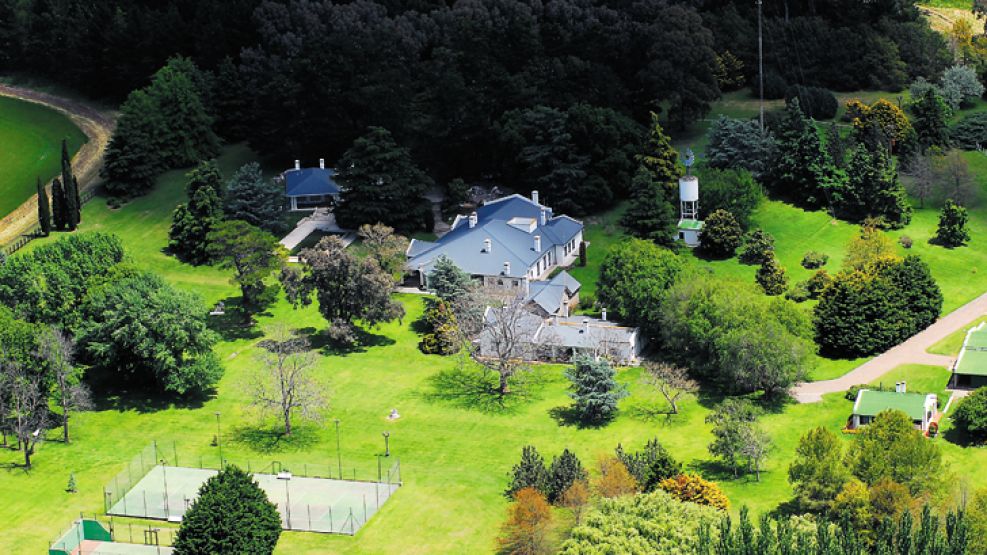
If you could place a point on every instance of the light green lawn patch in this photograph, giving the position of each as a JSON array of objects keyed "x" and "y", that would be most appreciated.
[
  {"x": 919, "y": 378},
  {"x": 31, "y": 138},
  {"x": 951, "y": 344},
  {"x": 602, "y": 232}
]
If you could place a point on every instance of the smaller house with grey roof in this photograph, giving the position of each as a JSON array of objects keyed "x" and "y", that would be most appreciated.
[
  {"x": 553, "y": 297},
  {"x": 310, "y": 188},
  {"x": 922, "y": 409},
  {"x": 560, "y": 339},
  {"x": 509, "y": 243},
  {"x": 970, "y": 368}
]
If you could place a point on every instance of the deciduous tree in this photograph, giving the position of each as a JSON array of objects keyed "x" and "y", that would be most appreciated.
[
  {"x": 614, "y": 479},
  {"x": 385, "y": 247},
  {"x": 694, "y": 489},
  {"x": 672, "y": 382},
  {"x": 818, "y": 471},
  {"x": 527, "y": 526},
  {"x": 634, "y": 279},
  {"x": 56, "y": 350},
  {"x": 971, "y": 414},
  {"x": 721, "y": 234},
  {"x": 284, "y": 384}
]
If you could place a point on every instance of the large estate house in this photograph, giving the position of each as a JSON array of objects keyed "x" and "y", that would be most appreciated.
[
  {"x": 508, "y": 243},
  {"x": 310, "y": 188}
]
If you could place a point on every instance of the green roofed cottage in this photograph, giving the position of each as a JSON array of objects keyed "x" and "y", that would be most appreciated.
[
  {"x": 970, "y": 369},
  {"x": 921, "y": 408}
]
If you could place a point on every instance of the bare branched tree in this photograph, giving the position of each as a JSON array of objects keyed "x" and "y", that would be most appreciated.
[
  {"x": 29, "y": 415},
  {"x": 756, "y": 445},
  {"x": 285, "y": 385},
  {"x": 506, "y": 337},
  {"x": 56, "y": 348},
  {"x": 671, "y": 381}
]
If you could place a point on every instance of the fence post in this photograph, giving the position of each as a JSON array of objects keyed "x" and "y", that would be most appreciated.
[
  {"x": 364, "y": 508},
  {"x": 330, "y": 519},
  {"x": 106, "y": 500},
  {"x": 309, "y": 509},
  {"x": 155, "y": 444},
  {"x": 352, "y": 531},
  {"x": 174, "y": 451}
]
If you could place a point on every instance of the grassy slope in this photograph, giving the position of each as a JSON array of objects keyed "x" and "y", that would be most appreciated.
[{"x": 31, "y": 135}]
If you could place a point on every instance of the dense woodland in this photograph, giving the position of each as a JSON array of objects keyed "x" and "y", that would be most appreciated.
[{"x": 463, "y": 84}]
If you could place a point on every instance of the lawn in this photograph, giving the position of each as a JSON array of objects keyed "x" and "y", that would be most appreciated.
[
  {"x": 951, "y": 344},
  {"x": 31, "y": 135},
  {"x": 456, "y": 445}
]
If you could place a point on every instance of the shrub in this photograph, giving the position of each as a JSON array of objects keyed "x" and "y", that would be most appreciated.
[
  {"x": 971, "y": 132},
  {"x": 651, "y": 465},
  {"x": 960, "y": 85},
  {"x": 721, "y": 234},
  {"x": 798, "y": 293},
  {"x": 905, "y": 241},
  {"x": 816, "y": 102},
  {"x": 813, "y": 260},
  {"x": 771, "y": 277},
  {"x": 817, "y": 282},
  {"x": 694, "y": 489},
  {"x": 442, "y": 337},
  {"x": 851, "y": 394},
  {"x": 759, "y": 246},
  {"x": 971, "y": 415},
  {"x": 774, "y": 86},
  {"x": 733, "y": 190},
  {"x": 587, "y": 300}
]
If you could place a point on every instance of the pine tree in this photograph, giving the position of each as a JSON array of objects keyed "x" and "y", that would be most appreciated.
[
  {"x": 449, "y": 282},
  {"x": 71, "y": 487},
  {"x": 380, "y": 184},
  {"x": 58, "y": 205},
  {"x": 232, "y": 514},
  {"x": 802, "y": 170},
  {"x": 192, "y": 223},
  {"x": 44, "y": 209},
  {"x": 835, "y": 145},
  {"x": 873, "y": 189},
  {"x": 529, "y": 472},
  {"x": 651, "y": 465},
  {"x": 253, "y": 199},
  {"x": 565, "y": 470},
  {"x": 771, "y": 277},
  {"x": 930, "y": 117},
  {"x": 651, "y": 215},
  {"x": 133, "y": 156},
  {"x": 658, "y": 156},
  {"x": 952, "y": 231},
  {"x": 594, "y": 389},
  {"x": 71, "y": 186}
]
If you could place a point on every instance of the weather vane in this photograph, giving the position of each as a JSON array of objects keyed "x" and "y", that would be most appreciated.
[{"x": 690, "y": 159}]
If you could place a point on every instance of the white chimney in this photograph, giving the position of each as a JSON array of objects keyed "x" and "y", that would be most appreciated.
[
  {"x": 487, "y": 245},
  {"x": 904, "y": 387},
  {"x": 298, "y": 164},
  {"x": 603, "y": 314},
  {"x": 537, "y": 243},
  {"x": 544, "y": 216},
  {"x": 585, "y": 325},
  {"x": 322, "y": 163},
  {"x": 473, "y": 220},
  {"x": 534, "y": 197},
  {"x": 507, "y": 268}
]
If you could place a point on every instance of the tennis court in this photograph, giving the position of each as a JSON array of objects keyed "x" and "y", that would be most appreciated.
[
  {"x": 305, "y": 503},
  {"x": 88, "y": 536}
]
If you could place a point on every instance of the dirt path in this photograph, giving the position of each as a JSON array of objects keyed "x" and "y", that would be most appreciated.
[
  {"x": 911, "y": 351},
  {"x": 97, "y": 125}
]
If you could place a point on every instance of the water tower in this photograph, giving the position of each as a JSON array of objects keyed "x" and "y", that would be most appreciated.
[{"x": 690, "y": 226}]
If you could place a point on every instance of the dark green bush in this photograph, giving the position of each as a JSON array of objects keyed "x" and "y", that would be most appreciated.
[
  {"x": 970, "y": 132},
  {"x": 816, "y": 102},
  {"x": 813, "y": 260}
]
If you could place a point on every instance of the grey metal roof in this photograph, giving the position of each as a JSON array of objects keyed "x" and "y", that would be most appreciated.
[
  {"x": 310, "y": 181},
  {"x": 583, "y": 332},
  {"x": 465, "y": 245},
  {"x": 549, "y": 294}
]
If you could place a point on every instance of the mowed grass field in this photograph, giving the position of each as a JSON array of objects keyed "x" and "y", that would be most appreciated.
[{"x": 30, "y": 147}]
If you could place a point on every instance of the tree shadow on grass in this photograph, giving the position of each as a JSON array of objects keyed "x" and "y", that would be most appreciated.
[
  {"x": 717, "y": 471},
  {"x": 109, "y": 393},
  {"x": 271, "y": 438},
  {"x": 321, "y": 341},
  {"x": 655, "y": 412},
  {"x": 235, "y": 324},
  {"x": 475, "y": 389},
  {"x": 568, "y": 415}
]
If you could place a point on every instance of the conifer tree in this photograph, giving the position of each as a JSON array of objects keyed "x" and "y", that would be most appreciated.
[
  {"x": 759, "y": 246},
  {"x": 930, "y": 117},
  {"x": 802, "y": 170},
  {"x": 873, "y": 189},
  {"x": 71, "y": 186},
  {"x": 380, "y": 184},
  {"x": 952, "y": 231},
  {"x": 58, "y": 205},
  {"x": 44, "y": 209},
  {"x": 658, "y": 156},
  {"x": 721, "y": 234},
  {"x": 529, "y": 472},
  {"x": 594, "y": 389},
  {"x": 565, "y": 470},
  {"x": 835, "y": 145},
  {"x": 192, "y": 223},
  {"x": 232, "y": 514},
  {"x": 651, "y": 214}
]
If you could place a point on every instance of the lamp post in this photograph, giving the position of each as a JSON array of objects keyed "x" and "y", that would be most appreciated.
[
  {"x": 387, "y": 448},
  {"x": 339, "y": 457},
  {"x": 219, "y": 441}
]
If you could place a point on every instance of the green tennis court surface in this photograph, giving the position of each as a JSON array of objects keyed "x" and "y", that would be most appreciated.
[
  {"x": 90, "y": 547},
  {"x": 307, "y": 504}
]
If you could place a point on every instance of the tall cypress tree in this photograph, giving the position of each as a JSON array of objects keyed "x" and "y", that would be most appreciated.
[
  {"x": 44, "y": 209},
  {"x": 59, "y": 209},
  {"x": 70, "y": 186}
]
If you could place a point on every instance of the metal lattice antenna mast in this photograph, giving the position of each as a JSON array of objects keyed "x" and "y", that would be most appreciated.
[{"x": 760, "y": 61}]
